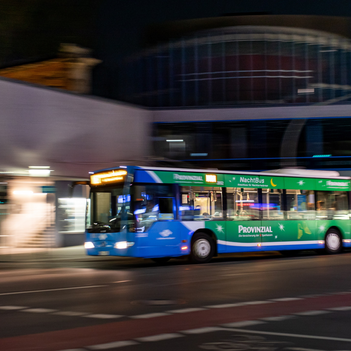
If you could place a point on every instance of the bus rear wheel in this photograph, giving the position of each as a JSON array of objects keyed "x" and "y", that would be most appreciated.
[
  {"x": 333, "y": 242},
  {"x": 202, "y": 248}
]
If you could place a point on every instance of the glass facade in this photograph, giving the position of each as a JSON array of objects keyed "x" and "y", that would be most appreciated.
[
  {"x": 242, "y": 65},
  {"x": 256, "y": 144}
]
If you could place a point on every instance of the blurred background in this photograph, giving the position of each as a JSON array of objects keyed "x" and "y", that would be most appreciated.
[{"x": 229, "y": 85}]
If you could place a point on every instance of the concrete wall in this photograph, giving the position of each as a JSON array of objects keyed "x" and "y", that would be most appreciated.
[{"x": 72, "y": 134}]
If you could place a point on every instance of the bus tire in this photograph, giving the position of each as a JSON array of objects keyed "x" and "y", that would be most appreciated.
[
  {"x": 161, "y": 260},
  {"x": 333, "y": 241},
  {"x": 202, "y": 248}
]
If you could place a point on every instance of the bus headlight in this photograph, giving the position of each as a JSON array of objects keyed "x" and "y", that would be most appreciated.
[
  {"x": 88, "y": 245},
  {"x": 123, "y": 244}
]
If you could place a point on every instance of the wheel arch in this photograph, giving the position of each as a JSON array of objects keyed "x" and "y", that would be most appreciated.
[{"x": 210, "y": 233}]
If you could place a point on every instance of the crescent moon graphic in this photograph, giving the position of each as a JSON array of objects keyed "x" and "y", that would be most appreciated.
[{"x": 273, "y": 183}]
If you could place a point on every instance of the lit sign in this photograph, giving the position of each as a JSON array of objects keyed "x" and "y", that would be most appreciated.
[
  {"x": 211, "y": 178},
  {"x": 107, "y": 177}
]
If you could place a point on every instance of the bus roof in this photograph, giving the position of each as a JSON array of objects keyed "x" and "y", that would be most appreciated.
[{"x": 284, "y": 172}]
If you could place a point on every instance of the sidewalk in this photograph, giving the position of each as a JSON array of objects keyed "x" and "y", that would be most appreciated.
[{"x": 71, "y": 253}]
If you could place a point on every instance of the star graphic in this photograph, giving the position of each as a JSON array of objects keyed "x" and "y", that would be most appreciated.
[
  {"x": 219, "y": 228},
  {"x": 321, "y": 228},
  {"x": 301, "y": 182},
  {"x": 281, "y": 227}
]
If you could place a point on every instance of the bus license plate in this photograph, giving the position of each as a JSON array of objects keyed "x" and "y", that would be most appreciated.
[{"x": 104, "y": 253}]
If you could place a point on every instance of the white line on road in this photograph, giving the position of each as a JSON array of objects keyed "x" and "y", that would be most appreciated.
[
  {"x": 49, "y": 290},
  {"x": 242, "y": 324},
  {"x": 277, "y": 319},
  {"x": 38, "y": 310},
  {"x": 103, "y": 316},
  {"x": 70, "y": 313},
  {"x": 301, "y": 349},
  {"x": 187, "y": 310},
  {"x": 202, "y": 330},
  {"x": 159, "y": 337},
  {"x": 302, "y": 336},
  {"x": 343, "y": 308},
  {"x": 311, "y": 313},
  {"x": 12, "y": 308},
  {"x": 283, "y": 299},
  {"x": 149, "y": 315},
  {"x": 121, "y": 281},
  {"x": 111, "y": 345}
]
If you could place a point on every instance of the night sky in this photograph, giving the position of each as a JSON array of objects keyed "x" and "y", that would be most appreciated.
[
  {"x": 32, "y": 30},
  {"x": 122, "y": 25}
]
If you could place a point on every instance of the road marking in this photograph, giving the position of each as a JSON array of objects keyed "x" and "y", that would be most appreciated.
[
  {"x": 257, "y": 302},
  {"x": 70, "y": 313},
  {"x": 242, "y": 324},
  {"x": 74, "y": 350},
  {"x": 160, "y": 337},
  {"x": 111, "y": 345},
  {"x": 38, "y": 310},
  {"x": 283, "y": 299},
  {"x": 103, "y": 316},
  {"x": 227, "y": 305},
  {"x": 301, "y": 349},
  {"x": 149, "y": 315},
  {"x": 12, "y": 307},
  {"x": 201, "y": 330},
  {"x": 302, "y": 336},
  {"x": 311, "y": 313},
  {"x": 49, "y": 290},
  {"x": 277, "y": 319},
  {"x": 187, "y": 310},
  {"x": 121, "y": 281},
  {"x": 344, "y": 308}
]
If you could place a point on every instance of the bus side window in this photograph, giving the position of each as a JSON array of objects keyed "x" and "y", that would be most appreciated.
[
  {"x": 272, "y": 203},
  {"x": 242, "y": 204},
  {"x": 300, "y": 204},
  {"x": 201, "y": 203}
]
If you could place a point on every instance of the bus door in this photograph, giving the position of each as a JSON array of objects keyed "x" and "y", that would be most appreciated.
[
  {"x": 243, "y": 220},
  {"x": 202, "y": 207},
  {"x": 155, "y": 211}
]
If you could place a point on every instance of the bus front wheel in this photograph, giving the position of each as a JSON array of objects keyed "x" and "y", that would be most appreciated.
[
  {"x": 202, "y": 248},
  {"x": 333, "y": 242}
]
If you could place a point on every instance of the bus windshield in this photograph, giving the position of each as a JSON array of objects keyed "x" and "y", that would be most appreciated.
[{"x": 109, "y": 209}]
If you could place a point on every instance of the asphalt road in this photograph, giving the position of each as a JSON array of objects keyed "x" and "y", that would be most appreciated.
[{"x": 238, "y": 302}]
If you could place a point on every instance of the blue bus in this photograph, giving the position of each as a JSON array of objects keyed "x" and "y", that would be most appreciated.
[{"x": 160, "y": 213}]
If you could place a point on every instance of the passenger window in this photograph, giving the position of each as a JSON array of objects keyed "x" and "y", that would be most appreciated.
[
  {"x": 242, "y": 204},
  {"x": 332, "y": 205},
  {"x": 201, "y": 203},
  {"x": 272, "y": 204},
  {"x": 300, "y": 204}
]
